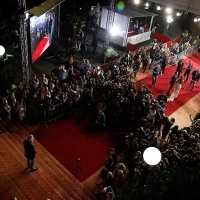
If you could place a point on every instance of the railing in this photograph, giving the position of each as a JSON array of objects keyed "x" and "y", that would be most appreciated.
[
  {"x": 54, "y": 112},
  {"x": 175, "y": 58}
]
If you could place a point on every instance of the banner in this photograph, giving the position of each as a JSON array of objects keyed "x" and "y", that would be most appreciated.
[{"x": 139, "y": 38}]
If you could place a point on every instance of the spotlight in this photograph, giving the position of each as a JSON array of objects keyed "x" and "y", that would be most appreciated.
[
  {"x": 169, "y": 19},
  {"x": 168, "y": 10},
  {"x": 146, "y": 5},
  {"x": 179, "y": 14},
  {"x": 195, "y": 19},
  {"x": 114, "y": 31},
  {"x": 198, "y": 19},
  {"x": 159, "y": 7},
  {"x": 136, "y": 1}
]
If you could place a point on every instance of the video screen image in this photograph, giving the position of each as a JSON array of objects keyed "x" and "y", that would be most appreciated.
[{"x": 42, "y": 32}]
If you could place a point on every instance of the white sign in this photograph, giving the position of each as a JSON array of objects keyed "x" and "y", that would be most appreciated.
[{"x": 139, "y": 38}]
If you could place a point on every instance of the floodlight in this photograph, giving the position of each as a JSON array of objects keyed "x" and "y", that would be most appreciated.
[
  {"x": 158, "y": 7},
  {"x": 114, "y": 31},
  {"x": 169, "y": 19},
  {"x": 179, "y": 14},
  {"x": 136, "y": 1},
  {"x": 168, "y": 10},
  {"x": 195, "y": 19}
]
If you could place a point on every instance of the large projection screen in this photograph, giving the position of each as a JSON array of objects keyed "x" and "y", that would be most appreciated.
[
  {"x": 42, "y": 32},
  {"x": 120, "y": 24}
]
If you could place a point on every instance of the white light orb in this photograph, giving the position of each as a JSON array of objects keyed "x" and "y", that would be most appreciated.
[
  {"x": 2, "y": 50},
  {"x": 195, "y": 19},
  {"x": 152, "y": 156},
  {"x": 114, "y": 31},
  {"x": 158, "y": 7},
  {"x": 136, "y": 1},
  {"x": 168, "y": 10}
]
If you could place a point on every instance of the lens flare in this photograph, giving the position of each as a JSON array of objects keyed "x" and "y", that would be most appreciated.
[{"x": 120, "y": 6}]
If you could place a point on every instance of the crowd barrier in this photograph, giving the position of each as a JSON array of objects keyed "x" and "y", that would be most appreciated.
[
  {"x": 54, "y": 112},
  {"x": 175, "y": 58}
]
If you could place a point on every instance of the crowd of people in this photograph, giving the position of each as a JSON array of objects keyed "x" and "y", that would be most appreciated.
[{"x": 119, "y": 103}]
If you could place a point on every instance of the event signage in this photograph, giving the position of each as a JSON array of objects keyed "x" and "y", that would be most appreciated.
[{"x": 139, "y": 38}]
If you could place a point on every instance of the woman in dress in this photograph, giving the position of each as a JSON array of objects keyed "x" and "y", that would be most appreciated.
[{"x": 179, "y": 85}]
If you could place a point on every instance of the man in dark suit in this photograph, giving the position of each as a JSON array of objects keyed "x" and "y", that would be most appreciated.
[
  {"x": 172, "y": 82},
  {"x": 188, "y": 70},
  {"x": 164, "y": 63},
  {"x": 179, "y": 68},
  {"x": 30, "y": 152}
]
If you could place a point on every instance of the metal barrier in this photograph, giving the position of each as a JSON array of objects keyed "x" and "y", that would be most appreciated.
[
  {"x": 175, "y": 58},
  {"x": 54, "y": 112}
]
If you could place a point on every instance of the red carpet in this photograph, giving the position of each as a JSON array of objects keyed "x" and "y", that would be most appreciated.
[
  {"x": 163, "y": 85},
  {"x": 41, "y": 47},
  {"x": 68, "y": 140}
]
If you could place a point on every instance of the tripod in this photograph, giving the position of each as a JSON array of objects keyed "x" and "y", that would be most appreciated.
[{"x": 78, "y": 166}]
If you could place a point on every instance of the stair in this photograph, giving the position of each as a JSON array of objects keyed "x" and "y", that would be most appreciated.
[{"x": 51, "y": 180}]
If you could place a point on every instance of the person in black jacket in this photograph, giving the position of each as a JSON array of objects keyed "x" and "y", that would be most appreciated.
[
  {"x": 172, "y": 82},
  {"x": 188, "y": 70},
  {"x": 179, "y": 68},
  {"x": 30, "y": 152},
  {"x": 195, "y": 78},
  {"x": 164, "y": 63}
]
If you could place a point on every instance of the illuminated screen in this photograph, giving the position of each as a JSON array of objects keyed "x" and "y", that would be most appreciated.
[{"x": 42, "y": 32}]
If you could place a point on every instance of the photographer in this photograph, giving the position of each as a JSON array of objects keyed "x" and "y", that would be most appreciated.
[{"x": 62, "y": 73}]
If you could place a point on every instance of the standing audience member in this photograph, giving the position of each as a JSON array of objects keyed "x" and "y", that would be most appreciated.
[
  {"x": 62, "y": 74},
  {"x": 34, "y": 83},
  {"x": 94, "y": 42},
  {"x": 30, "y": 152},
  {"x": 7, "y": 114},
  {"x": 68, "y": 46}
]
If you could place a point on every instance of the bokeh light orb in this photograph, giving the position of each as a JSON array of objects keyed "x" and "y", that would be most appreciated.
[
  {"x": 120, "y": 6},
  {"x": 152, "y": 156},
  {"x": 2, "y": 50}
]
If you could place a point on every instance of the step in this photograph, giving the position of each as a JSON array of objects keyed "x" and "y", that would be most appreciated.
[
  {"x": 19, "y": 175},
  {"x": 48, "y": 173},
  {"x": 62, "y": 170},
  {"x": 62, "y": 180}
]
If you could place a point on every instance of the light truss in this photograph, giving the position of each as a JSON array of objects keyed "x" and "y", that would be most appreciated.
[
  {"x": 109, "y": 23},
  {"x": 26, "y": 69}
]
